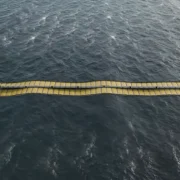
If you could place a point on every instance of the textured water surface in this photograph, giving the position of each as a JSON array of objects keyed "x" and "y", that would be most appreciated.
[{"x": 96, "y": 137}]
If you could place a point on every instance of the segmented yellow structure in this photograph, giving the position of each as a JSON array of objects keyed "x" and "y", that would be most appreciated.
[{"x": 90, "y": 88}]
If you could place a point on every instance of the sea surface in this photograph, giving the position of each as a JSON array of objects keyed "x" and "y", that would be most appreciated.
[{"x": 101, "y": 137}]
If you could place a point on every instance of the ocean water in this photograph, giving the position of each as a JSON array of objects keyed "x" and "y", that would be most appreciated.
[{"x": 101, "y": 137}]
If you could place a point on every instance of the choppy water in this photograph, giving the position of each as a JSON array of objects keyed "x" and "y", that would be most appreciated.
[{"x": 96, "y": 137}]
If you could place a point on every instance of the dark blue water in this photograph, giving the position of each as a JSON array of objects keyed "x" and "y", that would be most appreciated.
[{"x": 97, "y": 137}]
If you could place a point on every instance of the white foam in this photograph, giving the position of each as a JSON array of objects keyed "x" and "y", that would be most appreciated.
[
  {"x": 58, "y": 150},
  {"x": 55, "y": 165},
  {"x": 90, "y": 146},
  {"x": 11, "y": 148},
  {"x": 54, "y": 173},
  {"x": 131, "y": 125},
  {"x": 127, "y": 36},
  {"x": 133, "y": 167},
  {"x": 70, "y": 31},
  {"x": 113, "y": 37},
  {"x": 126, "y": 145},
  {"x": 33, "y": 38},
  {"x": 171, "y": 133},
  {"x": 5, "y": 158},
  {"x": 127, "y": 151},
  {"x": 43, "y": 18},
  {"x": 6, "y": 42},
  {"x": 140, "y": 152},
  {"x": 108, "y": 17},
  {"x": 176, "y": 156}
]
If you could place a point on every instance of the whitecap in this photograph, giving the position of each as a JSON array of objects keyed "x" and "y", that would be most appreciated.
[
  {"x": 126, "y": 145},
  {"x": 127, "y": 151},
  {"x": 176, "y": 156},
  {"x": 6, "y": 42},
  {"x": 33, "y": 38},
  {"x": 70, "y": 31},
  {"x": 50, "y": 161},
  {"x": 113, "y": 37},
  {"x": 54, "y": 173},
  {"x": 90, "y": 146},
  {"x": 140, "y": 152},
  {"x": 131, "y": 125},
  {"x": 108, "y": 17},
  {"x": 171, "y": 134},
  {"x": 132, "y": 167},
  {"x": 6, "y": 157},
  {"x": 127, "y": 37},
  {"x": 43, "y": 18}
]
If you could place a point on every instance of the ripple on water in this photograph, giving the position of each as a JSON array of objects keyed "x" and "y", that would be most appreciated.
[{"x": 81, "y": 41}]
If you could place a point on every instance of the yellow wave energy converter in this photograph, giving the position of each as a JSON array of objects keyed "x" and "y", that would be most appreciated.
[{"x": 90, "y": 88}]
